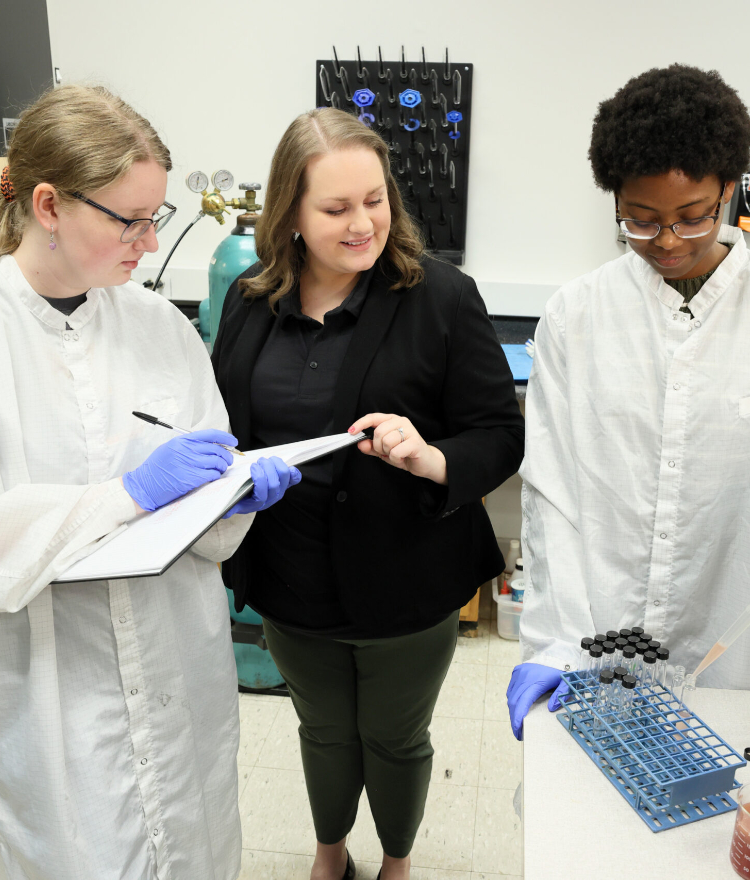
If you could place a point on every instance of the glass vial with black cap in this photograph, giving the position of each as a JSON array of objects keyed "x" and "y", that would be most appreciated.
[
  {"x": 662, "y": 655},
  {"x": 626, "y": 700},
  {"x": 640, "y": 650},
  {"x": 619, "y": 672},
  {"x": 648, "y": 676},
  {"x": 583, "y": 663},
  {"x": 608, "y": 657},
  {"x": 629, "y": 658},
  {"x": 603, "y": 698},
  {"x": 595, "y": 662},
  {"x": 620, "y": 643}
]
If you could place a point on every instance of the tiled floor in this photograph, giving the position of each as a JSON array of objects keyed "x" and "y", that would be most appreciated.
[{"x": 471, "y": 829}]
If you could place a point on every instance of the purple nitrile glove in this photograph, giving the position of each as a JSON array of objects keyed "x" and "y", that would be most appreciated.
[
  {"x": 272, "y": 477},
  {"x": 178, "y": 466},
  {"x": 527, "y": 683}
]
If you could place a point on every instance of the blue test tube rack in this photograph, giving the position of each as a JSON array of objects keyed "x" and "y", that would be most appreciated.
[{"x": 665, "y": 761}]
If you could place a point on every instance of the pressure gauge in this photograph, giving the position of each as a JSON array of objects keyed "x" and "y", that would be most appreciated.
[
  {"x": 222, "y": 180},
  {"x": 197, "y": 181}
]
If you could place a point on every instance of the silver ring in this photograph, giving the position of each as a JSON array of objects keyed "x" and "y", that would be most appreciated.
[{"x": 401, "y": 432}]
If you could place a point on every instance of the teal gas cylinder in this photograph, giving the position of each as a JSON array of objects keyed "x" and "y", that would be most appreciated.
[
  {"x": 230, "y": 259},
  {"x": 255, "y": 667}
]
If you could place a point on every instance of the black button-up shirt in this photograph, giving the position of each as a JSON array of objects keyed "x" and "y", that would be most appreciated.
[{"x": 292, "y": 393}]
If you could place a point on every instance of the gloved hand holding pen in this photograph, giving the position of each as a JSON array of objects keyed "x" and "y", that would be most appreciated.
[
  {"x": 192, "y": 459},
  {"x": 178, "y": 466}
]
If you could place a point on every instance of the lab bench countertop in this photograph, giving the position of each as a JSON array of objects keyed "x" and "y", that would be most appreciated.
[{"x": 576, "y": 823}]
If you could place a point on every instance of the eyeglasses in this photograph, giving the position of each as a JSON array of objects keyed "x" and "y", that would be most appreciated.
[
  {"x": 135, "y": 228},
  {"x": 682, "y": 229}
]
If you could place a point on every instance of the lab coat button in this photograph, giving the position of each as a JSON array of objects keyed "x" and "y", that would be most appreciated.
[
  {"x": 123, "y": 620},
  {"x": 671, "y": 464},
  {"x": 90, "y": 405},
  {"x": 156, "y": 832},
  {"x": 76, "y": 337},
  {"x": 674, "y": 316},
  {"x": 341, "y": 496},
  {"x": 134, "y": 691},
  {"x": 676, "y": 386},
  {"x": 657, "y": 602},
  {"x": 66, "y": 336},
  {"x": 144, "y": 760},
  {"x": 685, "y": 319},
  {"x": 697, "y": 324},
  {"x": 663, "y": 535},
  {"x": 690, "y": 328}
]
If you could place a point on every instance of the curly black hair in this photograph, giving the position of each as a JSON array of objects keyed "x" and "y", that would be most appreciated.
[{"x": 672, "y": 118}]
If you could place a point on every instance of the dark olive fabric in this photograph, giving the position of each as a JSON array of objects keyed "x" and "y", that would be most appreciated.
[{"x": 365, "y": 708}]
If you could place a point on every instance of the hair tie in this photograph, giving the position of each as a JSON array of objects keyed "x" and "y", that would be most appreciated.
[{"x": 6, "y": 187}]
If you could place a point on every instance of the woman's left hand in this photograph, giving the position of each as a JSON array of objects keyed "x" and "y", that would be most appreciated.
[{"x": 396, "y": 441}]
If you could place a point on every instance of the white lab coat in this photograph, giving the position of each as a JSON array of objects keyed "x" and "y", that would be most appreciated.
[
  {"x": 636, "y": 497},
  {"x": 118, "y": 699}
]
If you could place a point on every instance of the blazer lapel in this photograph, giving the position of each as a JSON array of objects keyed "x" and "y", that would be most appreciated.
[
  {"x": 258, "y": 321},
  {"x": 373, "y": 323}
]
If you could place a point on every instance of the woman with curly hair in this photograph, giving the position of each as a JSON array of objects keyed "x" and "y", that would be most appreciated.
[
  {"x": 346, "y": 324},
  {"x": 636, "y": 471}
]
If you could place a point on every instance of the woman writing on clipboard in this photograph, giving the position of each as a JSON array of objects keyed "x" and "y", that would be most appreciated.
[
  {"x": 360, "y": 573},
  {"x": 119, "y": 724}
]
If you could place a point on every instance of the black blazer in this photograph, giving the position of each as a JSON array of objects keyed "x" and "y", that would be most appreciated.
[{"x": 403, "y": 549}]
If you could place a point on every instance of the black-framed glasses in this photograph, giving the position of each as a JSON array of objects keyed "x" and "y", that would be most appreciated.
[
  {"x": 682, "y": 229},
  {"x": 135, "y": 228}
]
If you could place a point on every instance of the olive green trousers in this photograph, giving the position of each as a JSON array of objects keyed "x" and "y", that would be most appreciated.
[{"x": 365, "y": 708}]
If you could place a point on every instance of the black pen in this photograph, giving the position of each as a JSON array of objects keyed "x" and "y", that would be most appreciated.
[{"x": 152, "y": 420}]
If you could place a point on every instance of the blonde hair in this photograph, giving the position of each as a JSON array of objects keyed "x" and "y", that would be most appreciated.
[
  {"x": 79, "y": 139},
  {"x": 283, "y": 259}
]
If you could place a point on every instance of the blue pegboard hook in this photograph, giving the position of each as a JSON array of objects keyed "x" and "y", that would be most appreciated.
[
  {"x": 363, "y": 98},
  {"x": 410, "y": 98}
]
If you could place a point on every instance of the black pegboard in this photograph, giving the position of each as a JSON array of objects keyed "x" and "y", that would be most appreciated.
[{"x": 440, "y": 205}]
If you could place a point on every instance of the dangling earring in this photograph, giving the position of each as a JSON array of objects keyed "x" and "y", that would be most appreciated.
[{"x": 52, "y": 244}]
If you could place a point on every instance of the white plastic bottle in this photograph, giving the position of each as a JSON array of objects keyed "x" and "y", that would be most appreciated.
[
  {"x": 516, "y": 583},
  {"x": 510, "y": 564}
]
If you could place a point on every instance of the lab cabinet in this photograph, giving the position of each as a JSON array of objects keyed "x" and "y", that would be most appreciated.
[{"x": 24, "y": 75}]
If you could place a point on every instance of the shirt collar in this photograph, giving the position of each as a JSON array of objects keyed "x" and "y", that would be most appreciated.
[
  {"x": 38, "y": 305},
  {"x": 290, "y": 307},
  {"x": 725, "y": 273}
]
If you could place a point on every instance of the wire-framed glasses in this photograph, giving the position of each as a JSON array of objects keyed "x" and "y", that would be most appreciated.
[
  {"x": 135, "y": 228},
  {"x": 696, "y": 228}
]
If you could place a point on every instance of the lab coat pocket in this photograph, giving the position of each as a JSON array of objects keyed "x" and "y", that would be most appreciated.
[
  {"x": 162, "y": 408},
  {"x": 744, "y": 407},
  {"x": 143, "y": 438}
]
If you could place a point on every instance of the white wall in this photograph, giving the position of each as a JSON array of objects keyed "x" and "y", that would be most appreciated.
[{"x": 222, "y": 80}]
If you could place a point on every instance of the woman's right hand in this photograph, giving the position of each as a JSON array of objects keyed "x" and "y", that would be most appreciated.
[{"x": 178, "y": 466}]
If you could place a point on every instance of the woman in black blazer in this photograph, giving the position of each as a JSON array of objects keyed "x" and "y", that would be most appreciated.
[{"x": 360, "y": 571}]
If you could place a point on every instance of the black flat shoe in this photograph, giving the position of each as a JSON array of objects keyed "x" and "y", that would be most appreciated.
[{"x": 351, "y": 868}]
